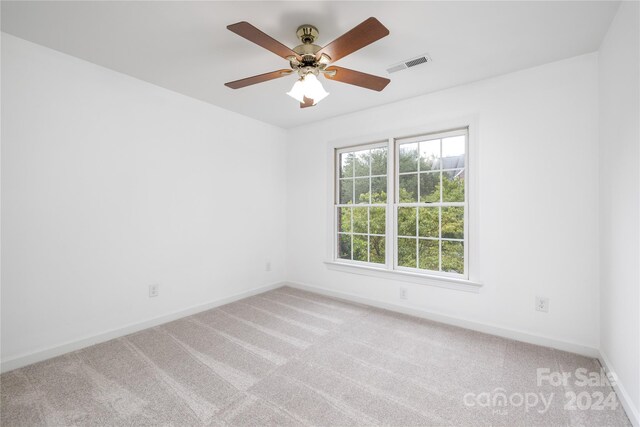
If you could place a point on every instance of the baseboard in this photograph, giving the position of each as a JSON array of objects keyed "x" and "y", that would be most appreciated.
[
  {"x": 627, "y": 403},
  {"x": 48, "y": 353},
  {"x": 500, "y": 331}
]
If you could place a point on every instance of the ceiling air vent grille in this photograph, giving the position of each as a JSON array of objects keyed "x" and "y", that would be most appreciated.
[{"x": 423, "y": 59}]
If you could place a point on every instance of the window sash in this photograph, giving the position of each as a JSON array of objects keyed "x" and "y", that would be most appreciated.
[
  {"x": 338, "y": 167},
  {"x": 337, "y": 205},
  {"x": 439, "y": 239},
  {"x": 398, "y": 142}
]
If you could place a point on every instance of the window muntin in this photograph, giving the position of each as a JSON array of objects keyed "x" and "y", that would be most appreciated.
[
  {"x": 362, "y": 203},
  {"x": 428, "y": 228}
]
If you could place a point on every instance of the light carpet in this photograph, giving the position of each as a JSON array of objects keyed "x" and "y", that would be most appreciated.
[{"x": 290, "y": 357}]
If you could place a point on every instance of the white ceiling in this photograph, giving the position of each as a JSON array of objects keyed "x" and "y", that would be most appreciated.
[{"x": 185, "y": 46}]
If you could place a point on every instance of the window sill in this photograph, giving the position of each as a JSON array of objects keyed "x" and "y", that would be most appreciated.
[{"x": 405, "y": 276}]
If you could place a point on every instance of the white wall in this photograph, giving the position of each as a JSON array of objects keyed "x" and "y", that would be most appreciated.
[
  {"x": 110, "y": 184},
  {"x": 537, "y": 160},
  {"x": 619, "y": 196}
]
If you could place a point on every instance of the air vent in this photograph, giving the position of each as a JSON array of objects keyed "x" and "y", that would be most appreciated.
[{"x": 423, "y": 59}]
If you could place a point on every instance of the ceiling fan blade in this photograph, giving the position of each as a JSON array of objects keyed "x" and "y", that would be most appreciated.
[
  {"x": 258, "y": 79},
  {"x": 308, "y": 102},
  {"x": 251, "y": 33},
  {"x": 357, "y": 78},
  {"x": 356, "y": 38}
]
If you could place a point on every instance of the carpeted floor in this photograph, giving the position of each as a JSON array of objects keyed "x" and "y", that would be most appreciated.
[{"x": 290, "y": 357}]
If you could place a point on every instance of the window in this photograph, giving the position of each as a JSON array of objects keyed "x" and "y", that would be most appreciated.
[
  {"x": 362, "y": 204},
  {"x": 413, "y": 219}
]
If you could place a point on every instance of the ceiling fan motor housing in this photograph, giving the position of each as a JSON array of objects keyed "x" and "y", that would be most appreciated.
[{"x": 307, "y": 50}]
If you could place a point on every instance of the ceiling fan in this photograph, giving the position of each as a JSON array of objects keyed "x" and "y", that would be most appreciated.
[{"x": 309, "y": 60}]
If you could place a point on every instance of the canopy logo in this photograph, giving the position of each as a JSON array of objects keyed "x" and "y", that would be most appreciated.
[{"x": 499, "y": 400}]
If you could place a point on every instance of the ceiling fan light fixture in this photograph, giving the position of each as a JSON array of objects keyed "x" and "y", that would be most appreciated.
[{"x": 308, "y": 86}]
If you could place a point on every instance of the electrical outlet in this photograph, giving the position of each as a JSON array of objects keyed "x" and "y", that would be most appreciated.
[
  {"x": 154, "y": 290},
  {"x": 542, "y": 304},
  {"x": 267, "y": 266},
  {"x": 403, "y": 293}
]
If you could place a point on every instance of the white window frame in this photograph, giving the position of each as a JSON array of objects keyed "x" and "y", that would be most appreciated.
[
  {"x": 337, "y": 205},
  {"x": 397, "y": 204},
  {"x": 467, "y": 281}
]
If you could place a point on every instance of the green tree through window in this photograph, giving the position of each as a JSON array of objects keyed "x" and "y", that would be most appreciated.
[{"x": 362, "y": 205}]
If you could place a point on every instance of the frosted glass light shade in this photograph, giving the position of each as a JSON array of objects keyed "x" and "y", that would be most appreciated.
[
  {"x": 310, "y": 87},
  {"x": 297, "y": 91}
]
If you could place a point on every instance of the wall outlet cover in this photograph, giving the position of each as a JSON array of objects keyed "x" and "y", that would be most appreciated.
[
  {"x": 154, "y": 290},
  {"x": 542, "y": 304}
]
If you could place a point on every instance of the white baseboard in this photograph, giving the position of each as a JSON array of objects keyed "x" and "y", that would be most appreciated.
[
  {"x": 500, "y": 331},
  {"x": 48, "y": 353},
  {"x": 627, "y": 403}
]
